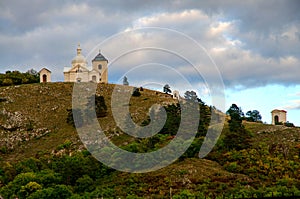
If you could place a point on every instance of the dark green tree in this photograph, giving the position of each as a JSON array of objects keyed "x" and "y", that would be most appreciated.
[
  {"x": 253, "y": 116},
  {"x": 136, "y": 92},
  {"x": 236, "y": 115},
  {"x": 167, "y": 89},
  {"x": 96, "y": 103},
  {"x": 125, "y": 81},
  {"x": 191, "y": 96},
  {"x": 84, "y": 184},
  {"x": 17, "y": 78},
  {"x": 75, "y": 115},
  {"x": 57, "y": 192},
  {"x": 238, "y": 137}
]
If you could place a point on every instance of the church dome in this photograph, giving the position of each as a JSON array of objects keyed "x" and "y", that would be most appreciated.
[{"x": 79, "y": 59}]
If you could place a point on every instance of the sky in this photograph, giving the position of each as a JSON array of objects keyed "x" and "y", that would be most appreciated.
[{"x": 251, "y": 47}]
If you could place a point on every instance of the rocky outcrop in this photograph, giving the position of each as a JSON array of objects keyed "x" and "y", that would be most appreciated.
[{"x": 15, "y": 128}]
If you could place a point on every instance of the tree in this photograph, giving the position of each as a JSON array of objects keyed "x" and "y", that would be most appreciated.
[
  {"x": 58, "y": 191},
  {"x": 32, "y": 76},
  {"x": 7, "y": 82},
  {"x": 253, "y": 116},
  {"x": 84, "y": 184},
  {"x": 191, "y": 96},
  {"x": 17, "y": 78},
  {"x": 32, "y": 72},
  {"x": 238, "y": 138},
  {"x": 236, "y": 114},
  {"x": 136, "y": 92},
  {"x": 125, "y": 81},
  {"x": 100, "y": 106},
  {"x": 167, "y": 89},
  {"x": 75, "y": 115},
  {"x": 28, "y": 189}
]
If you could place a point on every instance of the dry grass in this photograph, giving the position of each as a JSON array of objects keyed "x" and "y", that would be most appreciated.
[{"x": 46, "y": 106}]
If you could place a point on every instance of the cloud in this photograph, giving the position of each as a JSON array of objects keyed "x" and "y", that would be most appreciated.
[
  {"x": 252, "y": 47},
  {"x": 240, "y": 67},
  {"x": 293, "y": 105}
]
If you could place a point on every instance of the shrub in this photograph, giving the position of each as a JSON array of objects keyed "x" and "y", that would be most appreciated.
[
  {"x": 84, "y": 184},
  {"x": 136, "y": 92}
]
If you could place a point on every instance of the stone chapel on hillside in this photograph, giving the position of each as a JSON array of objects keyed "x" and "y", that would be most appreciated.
[
  {"x": 81, "y": 72},
  {"x": 278, "y": 116},
  {"x": 45, "y": 75}
]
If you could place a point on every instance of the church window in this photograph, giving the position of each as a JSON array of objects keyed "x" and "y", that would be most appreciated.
[
  {"x": 79, "y": 70},
  {"x": 99, "y": 67},
  {"x": 94, "y": 78}
]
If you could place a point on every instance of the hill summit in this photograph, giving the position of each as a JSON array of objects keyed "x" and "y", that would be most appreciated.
[{"x": 42, "y": 156}]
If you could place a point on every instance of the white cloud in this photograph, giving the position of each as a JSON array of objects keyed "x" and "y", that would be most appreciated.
[
  {"x": 167, "y": 19},
  {"x": 293, "y": 104},
  {"x": 252, "y": 48}
]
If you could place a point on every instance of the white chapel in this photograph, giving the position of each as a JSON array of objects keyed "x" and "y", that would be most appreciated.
[{"x": 81, "y": 72}]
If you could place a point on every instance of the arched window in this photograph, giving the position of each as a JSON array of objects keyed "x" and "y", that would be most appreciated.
[
  {"x": 94, "y": 78},
  {"x": 79, "y": 70},
  {"x": 99, "y": 67}
]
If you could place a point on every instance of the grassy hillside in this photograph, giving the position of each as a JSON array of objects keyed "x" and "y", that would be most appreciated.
[
  {"x": 33, "y": 117},
  {"x": 37, "y": 141}
]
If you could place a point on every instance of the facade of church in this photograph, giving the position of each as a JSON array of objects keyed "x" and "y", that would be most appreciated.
[{"x": 81, "y": 72}]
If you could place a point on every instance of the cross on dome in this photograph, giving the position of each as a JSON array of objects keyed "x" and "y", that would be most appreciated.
[{"x": 78, "y": 49}]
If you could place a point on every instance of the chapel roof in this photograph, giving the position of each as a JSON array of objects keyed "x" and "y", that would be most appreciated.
[
  {"x": 100, "y": 57},
  {"x": 44, "y": 69},
  {"x": 276, "y": 110}
]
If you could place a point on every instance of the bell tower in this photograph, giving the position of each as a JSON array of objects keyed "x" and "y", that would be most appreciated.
[{"x": 99, "y": 63}]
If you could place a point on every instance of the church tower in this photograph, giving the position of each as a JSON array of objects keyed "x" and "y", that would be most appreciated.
[{"x": 99, "y": 63}]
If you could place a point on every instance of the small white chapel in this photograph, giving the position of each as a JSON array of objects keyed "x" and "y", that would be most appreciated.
[{"x": 81, "y": 72}]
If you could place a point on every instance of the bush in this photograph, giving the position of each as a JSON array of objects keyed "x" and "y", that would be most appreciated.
[
  {"x": 78, "y": 117},
  {"x": 288, "y": 124},
  {"x": 96, "y": 103},
  {"x": 28, "y": 189},
  {"x": 136, "y": 92},
  {"x": 84, "y": 184},
  {"x": 57, "y": 192},
  {"x": 184, "y": 194}
]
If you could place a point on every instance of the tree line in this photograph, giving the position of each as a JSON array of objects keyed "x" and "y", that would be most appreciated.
[{"x": 16, "y": 77}]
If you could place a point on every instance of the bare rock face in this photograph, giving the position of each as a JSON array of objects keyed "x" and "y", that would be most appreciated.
[
  {"x": 15, "y": 128},
  {"x": 11, "y": 121}
]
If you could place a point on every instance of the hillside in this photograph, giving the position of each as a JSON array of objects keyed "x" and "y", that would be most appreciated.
[
  {"x": 35, "y": 137},
  {"x": 33, "y": 117}
]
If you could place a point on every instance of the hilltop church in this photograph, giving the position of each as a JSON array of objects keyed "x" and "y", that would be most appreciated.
[{"x": 81, "y": 72}]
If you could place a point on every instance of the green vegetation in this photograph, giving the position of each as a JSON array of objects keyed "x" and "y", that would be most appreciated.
[
  {"x": 41, "y": 155},
  {"x": 253, "y": 116},
  {"x": 238, "y": 137},
  {"x": 17, "y": 78},
  {"x": 136, "y": 92},
  {"x": 167, "y": 89}
]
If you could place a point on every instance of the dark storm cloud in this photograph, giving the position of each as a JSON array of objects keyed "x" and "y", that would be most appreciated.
[{"x": 260, "y": 39}]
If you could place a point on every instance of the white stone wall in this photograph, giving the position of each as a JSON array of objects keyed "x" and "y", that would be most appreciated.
[
  {"x": 176, "y": 94},
  {"x": 103, "y": 71},
  {"x": 79, "y": 70}
]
